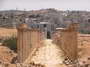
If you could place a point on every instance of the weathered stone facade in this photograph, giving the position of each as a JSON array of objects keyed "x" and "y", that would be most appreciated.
[
  {"x": 68, "y": 41},
  {"x": 28, "y": 39}
]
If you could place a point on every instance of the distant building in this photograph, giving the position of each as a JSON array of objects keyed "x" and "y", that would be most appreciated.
[{"x": 45, "y": 27}]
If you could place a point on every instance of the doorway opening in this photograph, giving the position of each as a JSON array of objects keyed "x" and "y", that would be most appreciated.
[{"x": 48, "y": 35}]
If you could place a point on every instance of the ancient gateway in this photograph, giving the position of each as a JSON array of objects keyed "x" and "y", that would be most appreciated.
[{"x": 28, "y": 40}]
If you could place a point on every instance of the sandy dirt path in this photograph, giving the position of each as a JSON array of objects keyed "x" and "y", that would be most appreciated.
[{"x": 49, "y": 55}]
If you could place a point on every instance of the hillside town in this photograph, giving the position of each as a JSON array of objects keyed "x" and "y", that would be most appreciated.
[{"x": 57, "y": 18}]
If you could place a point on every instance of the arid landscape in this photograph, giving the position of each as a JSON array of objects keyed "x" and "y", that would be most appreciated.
[
  {"x": 44, "y": 33},
  {"x": 49, "y": 54},
  {"x": 7, "y": 33}
]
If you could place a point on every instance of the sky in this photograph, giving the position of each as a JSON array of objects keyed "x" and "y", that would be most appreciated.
[{"x": 43, "y": 4}]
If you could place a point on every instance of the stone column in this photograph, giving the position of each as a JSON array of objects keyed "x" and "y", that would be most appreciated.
[
  {"x": 35, "y": 38},
  {"x": 22, "y": 44},
  {"x": 27, "y": 41},
  {"x": 68, "y": 41},
  {"x": 35, "y": 43}
]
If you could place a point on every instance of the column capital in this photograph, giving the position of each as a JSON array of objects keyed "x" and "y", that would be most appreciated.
[{"x": 22, "y": 26}]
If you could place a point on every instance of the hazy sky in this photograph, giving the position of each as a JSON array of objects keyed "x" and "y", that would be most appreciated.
[{"x": 43, "y": 4}]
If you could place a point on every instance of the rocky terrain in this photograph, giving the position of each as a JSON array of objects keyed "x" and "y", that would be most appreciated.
[
  {"x": 49, "y": 54},
  {"x": 6, "y": 55}
]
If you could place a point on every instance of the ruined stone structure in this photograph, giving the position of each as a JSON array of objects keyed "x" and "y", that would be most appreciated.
[
  {"x": 27, "y": 40},
  {"x": 68, "y": 41},
  {"x": 46, "y": 27}
]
